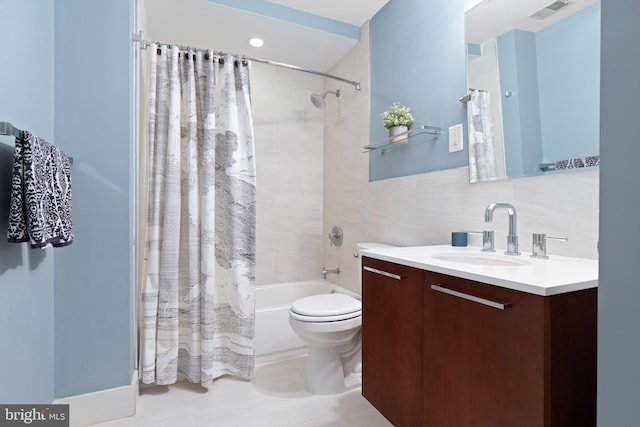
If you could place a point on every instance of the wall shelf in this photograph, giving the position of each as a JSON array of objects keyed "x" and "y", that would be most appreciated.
[{"x": 386, "y": 145}]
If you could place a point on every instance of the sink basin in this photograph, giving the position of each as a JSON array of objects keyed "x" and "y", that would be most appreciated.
[{"x": 481, "y": 258}]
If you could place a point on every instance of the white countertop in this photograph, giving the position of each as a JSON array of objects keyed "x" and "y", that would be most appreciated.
[{"x": 552, "y": 276}]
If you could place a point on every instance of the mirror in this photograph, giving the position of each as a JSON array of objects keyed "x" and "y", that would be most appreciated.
[{"x": 533, "y": 73}]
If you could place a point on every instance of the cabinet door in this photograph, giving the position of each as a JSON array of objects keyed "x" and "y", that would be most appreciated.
[
  {"x": 484, "y": 362},
  {"x": 392, "y": 340}
]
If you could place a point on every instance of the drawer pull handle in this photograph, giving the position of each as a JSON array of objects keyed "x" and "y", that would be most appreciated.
[
  {"x": 479, "y": 300},
  {"x": 384, "y": 273}
]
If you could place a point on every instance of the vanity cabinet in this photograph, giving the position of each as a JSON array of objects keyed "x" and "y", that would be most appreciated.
[
  {"x": 499, "y": 357},
  {"x": 392, "y": 340},
  {"x": 443, "y": 351}
]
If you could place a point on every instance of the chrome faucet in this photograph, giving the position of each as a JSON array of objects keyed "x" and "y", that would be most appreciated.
[
  {"x": 330, "y": 271},
  {"x": 512, "y": 238}
]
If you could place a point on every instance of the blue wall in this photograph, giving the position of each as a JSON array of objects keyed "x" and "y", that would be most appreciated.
[
  {"x": 521, "y": 111},
  {"x": 554, "y": 75},
  {"x": 619, "y": 289},
  {"x": 568, "y": 76},
  {"x": 26, "y": 275},
  {"x": 94, "y": 342},
  {"x": 66, "y": 323},
  {"x": 418, "y": 59}
]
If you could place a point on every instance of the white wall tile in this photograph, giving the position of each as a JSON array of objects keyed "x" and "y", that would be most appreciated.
[{"x": 289, "y": 154}]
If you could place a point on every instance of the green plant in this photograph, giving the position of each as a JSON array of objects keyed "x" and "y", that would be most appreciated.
[{"x": 397, "y": 115}]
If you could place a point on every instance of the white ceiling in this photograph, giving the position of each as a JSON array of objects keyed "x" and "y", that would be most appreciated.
[
  {"x": 205, "y": 24},
  {"x": 490, "y": 18}
]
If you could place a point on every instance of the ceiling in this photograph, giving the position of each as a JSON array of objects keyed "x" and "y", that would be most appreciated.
[
  {"x": 207, "y": 24},
  {"x": 221, "y": 25},
  {"x": 490, "y": 18}
]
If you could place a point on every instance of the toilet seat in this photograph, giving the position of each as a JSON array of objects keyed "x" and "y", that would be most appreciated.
[{"x": 326, "y": 308}]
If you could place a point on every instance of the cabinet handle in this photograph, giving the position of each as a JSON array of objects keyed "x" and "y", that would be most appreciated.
[
  {"x": 384, "y": 273},
  {"x": 490, "y": 303}
]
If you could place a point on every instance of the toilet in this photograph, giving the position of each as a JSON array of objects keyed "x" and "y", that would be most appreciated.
[{"x": 330, "y": 325}]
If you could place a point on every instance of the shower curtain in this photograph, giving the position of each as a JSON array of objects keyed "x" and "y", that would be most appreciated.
[
  {"x": 482, "y": 157},
  {"x": 198, "y": 294}
]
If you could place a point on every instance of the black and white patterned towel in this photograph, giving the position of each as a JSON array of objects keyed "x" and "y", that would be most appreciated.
[
  {"x": 578, "y": 163},
  {"x": 40, "y": 209}
]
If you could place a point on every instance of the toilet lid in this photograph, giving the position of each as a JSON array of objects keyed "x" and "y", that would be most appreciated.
[{"x": 326, "y": 305}]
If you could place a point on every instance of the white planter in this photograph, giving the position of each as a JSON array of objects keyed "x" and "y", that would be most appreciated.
[{"x": 398, "y": 134}]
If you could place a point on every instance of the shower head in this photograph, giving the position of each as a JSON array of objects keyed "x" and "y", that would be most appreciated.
[{"x": 318, "y": 100}]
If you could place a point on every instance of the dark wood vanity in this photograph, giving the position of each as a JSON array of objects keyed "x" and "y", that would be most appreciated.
[{"x": 444, "y": 351}]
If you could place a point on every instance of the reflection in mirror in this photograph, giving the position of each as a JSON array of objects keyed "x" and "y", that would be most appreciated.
[{"x": 533, "y": 72}]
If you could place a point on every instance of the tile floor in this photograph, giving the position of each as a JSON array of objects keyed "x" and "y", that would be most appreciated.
[{"x": 275, "y": 397}]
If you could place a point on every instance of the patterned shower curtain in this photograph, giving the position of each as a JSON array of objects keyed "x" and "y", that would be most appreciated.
[
  {"x": 482, "y": 157},
  {"x": 198, "y": 295}
]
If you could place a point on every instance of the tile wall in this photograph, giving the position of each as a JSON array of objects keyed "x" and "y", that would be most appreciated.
[{"x": 289, "y": 153}]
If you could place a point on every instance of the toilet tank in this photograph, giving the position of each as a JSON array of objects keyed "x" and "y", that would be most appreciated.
[{"x": 360, "y": 247}]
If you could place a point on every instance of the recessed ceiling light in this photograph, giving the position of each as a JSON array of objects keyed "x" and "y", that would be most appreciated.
[{"x": 256, "y": 42}]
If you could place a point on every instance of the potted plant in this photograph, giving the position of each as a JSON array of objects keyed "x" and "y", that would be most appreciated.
[{"x": 397, "y": 119}]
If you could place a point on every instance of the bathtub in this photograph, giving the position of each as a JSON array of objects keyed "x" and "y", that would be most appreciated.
[{"x": 274, "y": 339}]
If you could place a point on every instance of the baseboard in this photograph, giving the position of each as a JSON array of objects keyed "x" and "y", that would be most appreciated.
[
  {"x": 266, "y": 359},
  {"x": 102, "y": 406}
]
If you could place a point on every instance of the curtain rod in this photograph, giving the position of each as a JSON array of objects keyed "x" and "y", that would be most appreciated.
[{"x": 138, "y": 37}]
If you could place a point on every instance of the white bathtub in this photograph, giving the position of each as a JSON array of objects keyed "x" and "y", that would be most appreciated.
[{"x": 275, "y": 340}]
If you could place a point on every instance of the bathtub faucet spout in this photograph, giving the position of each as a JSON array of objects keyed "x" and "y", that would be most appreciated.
[{"x": 330, "y": 271}]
